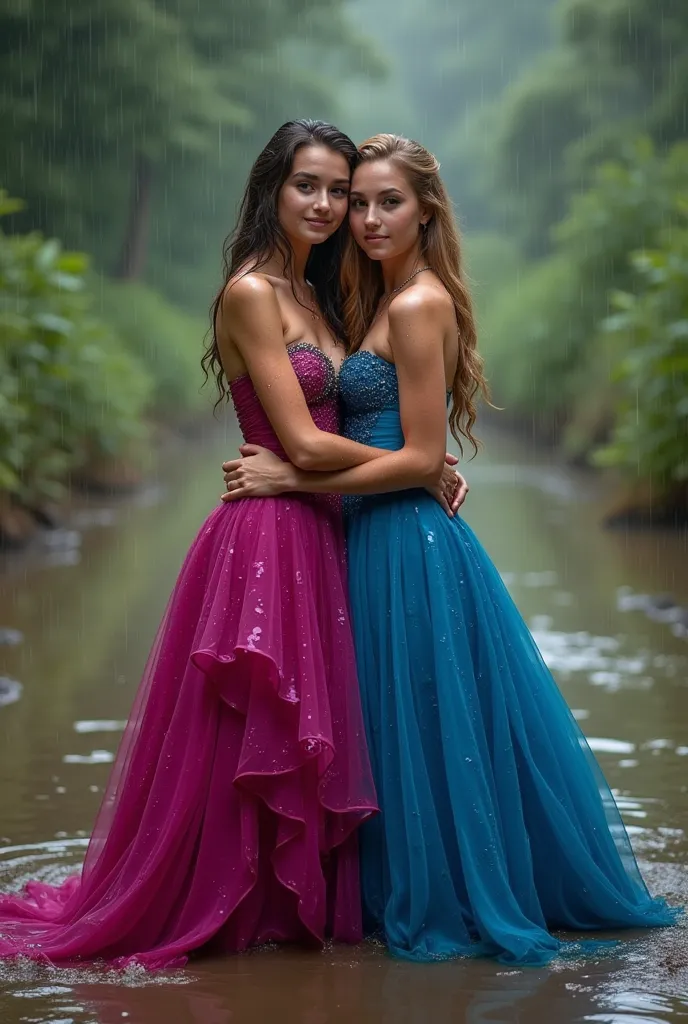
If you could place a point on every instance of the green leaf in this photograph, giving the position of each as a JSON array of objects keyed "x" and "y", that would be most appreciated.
[
  {"x": 76, "y": 263},
  {"x": 34, "y": 350},
  {"x": 53, "y": 323},
  {"x": 8, "y": 205},
  {"x": 678, "y": 329},
  {"x": 9, "y": 480},
  {"x": 47, "y": 255},
  {"x": 67, "y": 282}
]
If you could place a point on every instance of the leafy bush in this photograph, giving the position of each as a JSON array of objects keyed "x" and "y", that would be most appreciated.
[
  {"x": 517, "y": 306},
  {"x": 492, "y": 262},
  {"x": 548, "y": 357},
  {"x": 526, "y": 339},
  {"x": 166, "y": 339},
  {"x": 649, "y": 331},
  {"x": 68, "y": 390},
  {"x": 632, "y": 335}
]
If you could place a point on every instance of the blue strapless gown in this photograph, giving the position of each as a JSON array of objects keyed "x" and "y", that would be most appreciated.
[{"x": 497, "y": 824}]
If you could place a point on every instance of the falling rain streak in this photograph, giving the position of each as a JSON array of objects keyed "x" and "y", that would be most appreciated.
[{"x": 128, "y": 128}]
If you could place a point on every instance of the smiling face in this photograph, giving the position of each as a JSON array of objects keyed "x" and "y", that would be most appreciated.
[
  {"x": 313, "y": 201},
  {"x": 384, "y": 213}
]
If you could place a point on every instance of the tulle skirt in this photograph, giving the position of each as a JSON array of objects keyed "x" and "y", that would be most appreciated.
[
  {"x": 497, "y": 825},
  {"x": 231, "y": 812}
]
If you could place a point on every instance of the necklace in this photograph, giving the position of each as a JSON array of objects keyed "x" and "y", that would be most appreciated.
[
  {"x": 308, "y": 303},
  {"x": 387, "y": 298}
]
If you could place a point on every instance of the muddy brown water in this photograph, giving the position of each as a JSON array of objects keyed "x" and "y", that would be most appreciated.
[{"x": 88, "y": 603}]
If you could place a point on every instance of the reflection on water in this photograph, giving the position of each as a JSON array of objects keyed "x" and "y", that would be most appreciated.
[
  {"x": 51, "y": 861},
  {"x": 76, "y": 620},
  {"x": 109, "y": 725},
  {"x": 340, "y": 986}
]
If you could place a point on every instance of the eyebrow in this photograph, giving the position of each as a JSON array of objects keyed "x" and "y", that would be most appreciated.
[
  {"x": 382, "y": 192},
  {"x": 316, "y": 177}
]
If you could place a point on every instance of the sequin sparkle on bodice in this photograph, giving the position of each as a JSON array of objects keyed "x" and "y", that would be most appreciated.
[
  {"x": 368, "y": 386},
  {"x": 369, "y": 394},
  {"x": 318, "y": 379}
]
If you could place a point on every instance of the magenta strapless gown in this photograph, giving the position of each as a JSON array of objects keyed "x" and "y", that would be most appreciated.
[{"x": 231, "y": 812}]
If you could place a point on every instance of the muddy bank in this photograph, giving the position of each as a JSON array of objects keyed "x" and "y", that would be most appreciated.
[
  {"x": 633, "y": 504},
  {"x": 23, "y": 526}
]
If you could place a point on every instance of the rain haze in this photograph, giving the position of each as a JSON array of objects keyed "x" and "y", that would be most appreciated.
[{"x": 127, "y": 131}]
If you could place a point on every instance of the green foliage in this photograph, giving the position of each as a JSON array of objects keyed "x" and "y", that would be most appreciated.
[
  {"x": 588, "y": 337},
  {"x": 620, "y": 70},
  {"x": 491, "y": 262},
  {"x": 629, "y": 200},
  {"x": 68, "y": 391},
  {"x": 648, "y": 332},
  {"x": 87, "y": 86},
  {"x": 539, "y": 118},
  {"x": 627, "y": 208},
  {"x": 647, "y": 42},
  {"x": 627, "y": 205},
  {"x": 526, "y": 337},
  {"x": 91, "y": 90},
  {"x": 165, "y": 339},
  {"x": 450, "y": 65}
]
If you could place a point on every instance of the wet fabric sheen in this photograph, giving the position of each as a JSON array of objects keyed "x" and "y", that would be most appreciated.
[
  {"x": 231, "y": 812},
  {"x": 497, "y": 824}
]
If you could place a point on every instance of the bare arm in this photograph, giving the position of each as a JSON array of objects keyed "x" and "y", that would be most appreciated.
[
  {"x": 417, "y": 323},
  {"x": 250, "y": 306}
]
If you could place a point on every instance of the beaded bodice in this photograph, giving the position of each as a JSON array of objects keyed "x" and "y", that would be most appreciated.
[
  {"x": 318, "y": 379},
  {"x": 369, "y": 393},
  {"x": 368, "y": 387}
]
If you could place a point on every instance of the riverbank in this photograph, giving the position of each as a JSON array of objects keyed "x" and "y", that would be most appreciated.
[
  {"x": 114, "y": 480},
  {"x": 92, "y": 370},
  {"x": 620, "y": 504},
  {"x": 627, "y": 502}
]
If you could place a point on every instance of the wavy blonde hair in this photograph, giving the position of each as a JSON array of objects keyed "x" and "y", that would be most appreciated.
[{"x": 441, "y": 250}]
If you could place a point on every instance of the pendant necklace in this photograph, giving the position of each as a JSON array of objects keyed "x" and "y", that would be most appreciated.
[
  {"x": 387, "y": 298},
  {"x": 309, "y": 304}
]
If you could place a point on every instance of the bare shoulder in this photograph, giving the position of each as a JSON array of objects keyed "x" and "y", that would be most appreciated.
[
  {"x": 427, "y": 301},
  {"x": 247, "y": 293},
  {"x": 418, "y": 321}
]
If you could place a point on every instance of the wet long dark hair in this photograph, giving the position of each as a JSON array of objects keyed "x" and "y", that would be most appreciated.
[{"x": 258, "y": 234}]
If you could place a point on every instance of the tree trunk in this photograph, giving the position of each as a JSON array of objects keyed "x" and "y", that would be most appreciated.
[{"x": 132, "y": 259}]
